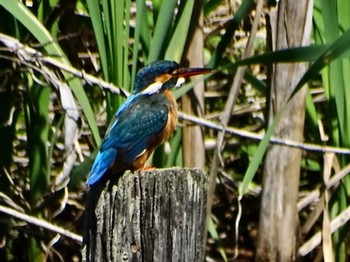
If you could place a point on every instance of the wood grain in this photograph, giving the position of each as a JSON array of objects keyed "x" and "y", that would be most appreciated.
[{"x": 156, "y": 215}]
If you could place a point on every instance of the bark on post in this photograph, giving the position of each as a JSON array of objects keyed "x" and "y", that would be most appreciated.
[
  {"x": 290, "y": 27},
  {"x": 155, "y": 215}
]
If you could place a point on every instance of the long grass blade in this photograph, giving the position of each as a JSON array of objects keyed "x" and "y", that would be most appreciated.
[
  {"x": 230, "y": 30},
  {"x": 162, "y": 29},
  {"x": 338, "y": 48},
  {"x": 97, "y": 24},
  {"x": 178, "y": 40},
  {"x": 20, "y": 12}
]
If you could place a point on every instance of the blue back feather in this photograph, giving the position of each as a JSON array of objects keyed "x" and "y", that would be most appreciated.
[{"x": 137, "y": 124}]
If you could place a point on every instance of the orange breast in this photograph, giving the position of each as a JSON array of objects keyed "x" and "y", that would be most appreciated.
[
  {"x": 169, "y": 128},
  {"x": 172, "y": 115}
]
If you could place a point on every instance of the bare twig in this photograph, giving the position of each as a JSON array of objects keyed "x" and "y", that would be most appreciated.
[
  {"x": 90, "y": 79},
  {"x": 28, "y": 54},
  {"x": 314, "y": 241},
  {"x": 48, "y": 67},
  {"x": 255, "y": 136},
  {"x": 41, "y": 223},
  {"x": 315, "y": 194},
  {"x": 229, "y": 105},
  {"x": 237, "y": 81}
]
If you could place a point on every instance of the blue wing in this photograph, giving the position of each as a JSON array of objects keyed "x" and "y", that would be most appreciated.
[
  {"x": 103, "y": 161},
  {"x": 137, "y": 124}
]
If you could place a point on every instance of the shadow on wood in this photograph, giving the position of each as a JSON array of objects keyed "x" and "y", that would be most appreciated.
[{"x": 156, "y": 215}]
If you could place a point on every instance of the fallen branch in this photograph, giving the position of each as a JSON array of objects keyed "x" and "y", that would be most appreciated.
[
  {"x": 28, "y": 54},
  {"x": 41, "y": 223},
  {"x": 315, "y": 194},
  {"x": 314, "y": 241},
  {"x": 255, "y": 136}
]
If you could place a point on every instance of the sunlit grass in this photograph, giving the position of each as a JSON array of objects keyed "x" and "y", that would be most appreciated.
[{"x": 160, "y": 33}]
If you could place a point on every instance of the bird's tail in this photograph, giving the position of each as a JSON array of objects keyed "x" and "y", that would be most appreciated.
[{"x": 102, "y": 162}]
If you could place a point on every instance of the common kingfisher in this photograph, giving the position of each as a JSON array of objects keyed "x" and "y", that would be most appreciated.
[{"x": 146, "y": 119}]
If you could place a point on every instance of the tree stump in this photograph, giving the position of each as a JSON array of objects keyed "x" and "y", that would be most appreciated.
[{"x": 157, "y": 215}]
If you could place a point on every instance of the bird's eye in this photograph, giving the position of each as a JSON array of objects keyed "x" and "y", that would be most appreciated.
[{"x": 175, "y": 72}]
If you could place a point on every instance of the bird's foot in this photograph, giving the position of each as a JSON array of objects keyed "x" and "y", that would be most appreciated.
[{"x": 149, "y": 168}]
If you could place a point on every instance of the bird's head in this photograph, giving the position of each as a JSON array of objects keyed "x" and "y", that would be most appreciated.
[{"x": 161, "y": 75}]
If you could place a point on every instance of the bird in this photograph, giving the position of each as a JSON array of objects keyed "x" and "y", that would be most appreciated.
[{"x": 146, "y": 119}]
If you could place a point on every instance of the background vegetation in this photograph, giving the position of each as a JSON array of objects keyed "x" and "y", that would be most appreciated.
[{"x": 65, "y": 67}]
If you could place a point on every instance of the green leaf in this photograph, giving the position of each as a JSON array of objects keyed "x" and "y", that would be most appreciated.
[
  {"x": 37, "y": 126},
  {"x": 140, "y": 18},
  {"x": 97, "y": 24},
  {"x": 178, "y": 40},
  {"x": 335, "y": 51},
  {"x": 291, "y": 55},
  {"x": 230, "y": 30},
  {"x": 22, "y": 14},
  {"x": 162, "y": 29},
  {"x": 258, "y": 156},
  {"x": 214, "y": 234},
  {"x": 338, "y": 48}
]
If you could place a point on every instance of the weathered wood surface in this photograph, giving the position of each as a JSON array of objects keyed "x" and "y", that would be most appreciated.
[{"x": 155, "y": 215}]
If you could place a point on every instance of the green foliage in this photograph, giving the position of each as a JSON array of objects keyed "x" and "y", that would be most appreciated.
[
  {"x": 113, "y": 30},
  {"x": 37, "y": 126},
  {"x": 126, "y": 40},
  {"x": 333, "y": 25},
  {"x": 22, "y": 14},
  {"x": 231, "y": 27},
  {"x": 36, "y": 103},
  {"x": 337, "y": 49}
]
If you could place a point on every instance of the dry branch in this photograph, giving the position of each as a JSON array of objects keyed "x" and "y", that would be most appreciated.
[
  {"x": 315, "y": 240},
  {"x": 40, "y": 223}
]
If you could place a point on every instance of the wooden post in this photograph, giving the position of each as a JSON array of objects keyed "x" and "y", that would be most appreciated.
[{"x": 156, "y": 215}]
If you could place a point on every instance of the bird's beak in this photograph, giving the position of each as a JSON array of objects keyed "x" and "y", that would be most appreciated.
[{"x": 187, "y": 72}]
